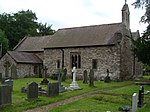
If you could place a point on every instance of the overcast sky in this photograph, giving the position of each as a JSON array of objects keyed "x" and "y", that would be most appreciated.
[{"x": 73, "y": 13}]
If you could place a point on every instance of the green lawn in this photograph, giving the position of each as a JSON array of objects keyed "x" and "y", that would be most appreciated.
[
  {"x": 108, "y": 101},
  {"x": 95, "y": 103},
  {"x": 20, "y": 101}
]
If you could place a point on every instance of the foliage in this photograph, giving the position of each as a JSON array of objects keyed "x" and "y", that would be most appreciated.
[
  {"x": 3, "y": 41},
  {"x": 141, "y": 46},
  {"x": 23, "y": 23}
]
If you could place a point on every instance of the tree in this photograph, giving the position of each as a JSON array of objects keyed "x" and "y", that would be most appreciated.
[
  {"x": 3, "y": 42},
  {"x": 141, "y": 46},
  {"x": 23, "y": 23},
  {"x": 43, "y": 29}
]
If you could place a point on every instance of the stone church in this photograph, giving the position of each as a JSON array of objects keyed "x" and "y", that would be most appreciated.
[{"x": 97, "y": 47}]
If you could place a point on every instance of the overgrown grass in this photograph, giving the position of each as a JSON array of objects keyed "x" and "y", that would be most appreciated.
[{"x": 20, "y": 101}]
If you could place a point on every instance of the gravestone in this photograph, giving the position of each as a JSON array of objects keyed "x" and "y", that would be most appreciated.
[
  {"x": 141, "y": 96},
  {"x": 0, "y": 77},
  {"x": 32, "y": 90},
  {"x": 74, "y": 84},
  {"x": 85, "y": 77},
  {"x": 91, "y": 78},
  {"x": 52, "y": 89},
  {"x": 134, "y": 102},
  {"x": 107, "y": 78},
  {"x": 60, "y": 77},
  {"x": 64, "y": 74},
  {"x": 5, "y": 95},
  {"x": 9, "y": 82}
]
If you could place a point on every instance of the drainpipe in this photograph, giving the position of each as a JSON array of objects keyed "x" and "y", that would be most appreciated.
[{"x": 62, "y": 58}]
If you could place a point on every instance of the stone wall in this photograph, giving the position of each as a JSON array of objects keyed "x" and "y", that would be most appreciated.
[
  {"x": 108, "y": 57},
  {"x": 22, "y": 70}
]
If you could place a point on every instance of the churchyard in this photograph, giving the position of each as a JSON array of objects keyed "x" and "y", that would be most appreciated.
[{"x": 108, "y": 98}]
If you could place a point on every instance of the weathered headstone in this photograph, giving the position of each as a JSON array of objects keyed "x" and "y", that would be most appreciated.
[
  {"x": 60, "y": 77},
  {"x": 141, "y": 96},
  {"x": 91, "y": 78},
  {"x": 134, "y": 102},
  {"x": 64, "y": 74},
  {"x": 52, "y": 89},
  {"x": 85, "y": 77},
  {"x": 107, "y": 78},
  {"x": 44, "y": 81},
  {"x": 74, "y": 84},
  {"x": 32, "y": 90},
  {"x": 0, "y": 77},
  {"x": 9, "y": 82},
  {"x": 5, "y": 95}
]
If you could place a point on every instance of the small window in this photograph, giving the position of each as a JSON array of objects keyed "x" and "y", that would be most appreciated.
[
  {"x": 94, "y": 63},
  {"x": 58, "y": 64}
]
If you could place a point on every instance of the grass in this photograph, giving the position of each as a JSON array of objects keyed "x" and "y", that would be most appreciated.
[
  {"x": 20, "y": 101},
  {"x": 108, "y": 101},
  {"x": 95, "y": 103}
]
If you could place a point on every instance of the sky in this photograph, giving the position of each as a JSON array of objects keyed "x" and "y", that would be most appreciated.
[{"x": 76, "y": 13}]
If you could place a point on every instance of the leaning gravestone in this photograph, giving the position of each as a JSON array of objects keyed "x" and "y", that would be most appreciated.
[
  {"x": 52, "y": 89},
  {"x": 5, "y": 95},
  {"x": 91, "y": 78},
  {"x": 85, "y": 77},
  {"x": 32, "y": 90}
]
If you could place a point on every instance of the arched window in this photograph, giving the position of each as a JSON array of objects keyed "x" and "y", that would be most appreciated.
[{"x": 75, "y": 60}]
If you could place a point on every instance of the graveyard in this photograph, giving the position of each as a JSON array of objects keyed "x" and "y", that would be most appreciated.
[{"x": 103, "y": 97}]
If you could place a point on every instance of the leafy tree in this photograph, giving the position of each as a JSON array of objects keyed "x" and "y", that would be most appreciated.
[
  {"x": 43, "y": 29},
  {"x": 23, "y": 23},
  {"x": 141, "y": 46},
  {"x": 3, "y": 42}
]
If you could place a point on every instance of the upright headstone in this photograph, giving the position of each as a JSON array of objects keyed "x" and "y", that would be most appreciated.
[
  {"x": 85, "y": 77},
  {"x": 134, "y": 102},
  {"x": 74, "y": 85},
  {"x": 32, "y": 90},
  {"x": 141, "y": 96},
  {"x": 53, "y": 89},
  {"x": 91, "y": 78},
  {"x": 5, "y": 95},
  {"x": 0, "y": 77},
  {"x": 64, "y": 74},
  {"x": 9, "y": 82}
]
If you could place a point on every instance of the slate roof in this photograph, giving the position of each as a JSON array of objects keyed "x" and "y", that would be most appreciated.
[
  {"x": 23, "y": 57},
  {"x": 32, "y": 43},
  {"x": 85, "y": 36}
]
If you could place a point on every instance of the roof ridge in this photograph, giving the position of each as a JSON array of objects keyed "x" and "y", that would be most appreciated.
[
  {"x": 89, "y": 26},
  {"x": 20, "y": 42}
]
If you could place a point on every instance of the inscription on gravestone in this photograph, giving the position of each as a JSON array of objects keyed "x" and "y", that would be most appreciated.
[
  {"x": 32, "y": 90},
  {"x": 5, "y": 95}
]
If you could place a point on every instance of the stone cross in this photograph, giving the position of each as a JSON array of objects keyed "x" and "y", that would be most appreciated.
[
  {"x": 45, "y": 71},
  {"x": 134, "y": 102},
  {"x": 74, "y": 73}
]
